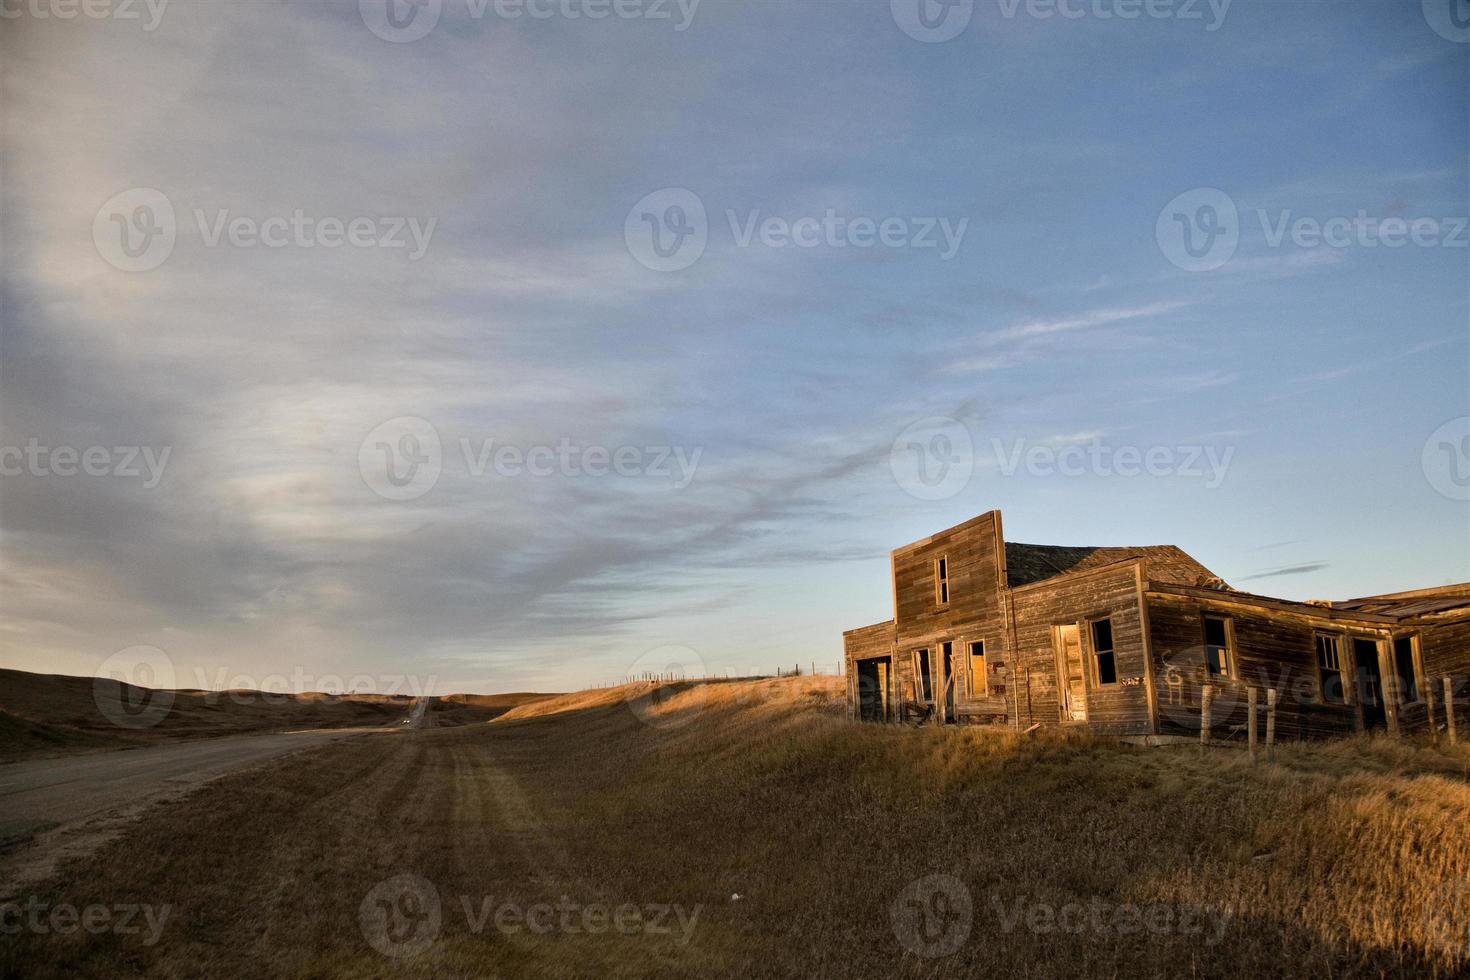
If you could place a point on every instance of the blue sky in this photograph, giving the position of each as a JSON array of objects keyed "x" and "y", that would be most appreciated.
[{"x": 1323, "y": 376}]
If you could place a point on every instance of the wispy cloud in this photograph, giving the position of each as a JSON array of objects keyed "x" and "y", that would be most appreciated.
[
  {"x": 1348, "y": 370},
  {"x": 1016, "y": 344},
  {"x": 1303, "y": 568}
]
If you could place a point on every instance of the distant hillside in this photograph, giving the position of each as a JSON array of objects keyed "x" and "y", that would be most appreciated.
[
  {"x": 45, "y": 713},
  {"x": 469, "y": 709}
]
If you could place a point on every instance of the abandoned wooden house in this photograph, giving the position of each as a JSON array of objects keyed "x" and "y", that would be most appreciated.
[{"x": 1125, "y": 640}]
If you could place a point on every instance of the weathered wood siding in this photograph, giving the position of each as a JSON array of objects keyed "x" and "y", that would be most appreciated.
[
  {"x": 1111, "y": 593},
  {"x": 867, "y": 643},
  {"x": 1445, "y": 650},
  {"x": 1273, "y": 650},
  {"x": 975, "y": 557}
]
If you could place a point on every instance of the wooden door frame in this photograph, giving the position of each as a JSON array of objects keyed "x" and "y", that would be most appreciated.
[
  {"x": 944, "y": 675},
  {"x": 920, "y": 674},
  {"x": 882, "y": 665},
  {"x": 1064, "y": 688},
  {"x": 1416, "y": 663}
]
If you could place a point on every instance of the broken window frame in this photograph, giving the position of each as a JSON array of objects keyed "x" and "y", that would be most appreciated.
[
  {"x": 1098, "y": 652},
  {"x": 941, "y": 580},
  {"x": 1227, "y": 669},
  {"x": 1323, "y": 670}
]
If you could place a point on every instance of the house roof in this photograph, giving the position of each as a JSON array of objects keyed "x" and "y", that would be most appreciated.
[
  {"x": 1396, "y": 610},
  {"x": 1028, "y": 563},
  {"x": 1406, "y": 605}
]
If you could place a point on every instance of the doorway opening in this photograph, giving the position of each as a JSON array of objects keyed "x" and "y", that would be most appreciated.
[
  {"x": 1370, "y": 683},
  {"x": 873, "y": 678},
  {"x": 947, "y": 681},
  {"x": 924, "y": 676}
]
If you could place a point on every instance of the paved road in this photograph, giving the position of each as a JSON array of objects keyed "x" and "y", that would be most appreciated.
[{"x": 71, "y": 801}]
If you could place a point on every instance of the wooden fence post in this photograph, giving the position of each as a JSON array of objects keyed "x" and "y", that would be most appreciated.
[
  {"x": 1429, "y": 710},
  {"x": 1206, "y": 695},
  {"x": 1392, "y": 697},
  {"x": 1449, "y": 708},
  {"x": 1271, "y": 723},
  {"x": 1251, "y": 696}
]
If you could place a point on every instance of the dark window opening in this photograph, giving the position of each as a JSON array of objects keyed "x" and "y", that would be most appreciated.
[
  {"x": 1217, "y": 647},
  {"x": 1403, "y": 660},
  {"x": 1102, "y": 651},
  {"x": 941, "y": 580},
  {"x": 926, "y": 679},
  {"x": 1329, "y": 666}
]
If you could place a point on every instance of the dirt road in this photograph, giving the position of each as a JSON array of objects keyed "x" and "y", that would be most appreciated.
[{"x": 54, "y": 808}]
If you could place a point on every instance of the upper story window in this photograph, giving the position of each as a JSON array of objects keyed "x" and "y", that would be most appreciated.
[
  {"x": 1329, "y": 668},
  {"x": 1105, "y": 664},
  {"x": 941, "y": 580},
  {"x": 1219, "y": 647}
]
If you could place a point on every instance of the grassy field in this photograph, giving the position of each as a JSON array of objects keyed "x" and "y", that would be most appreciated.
[
  {"x": 748, "y": 829},
  {"x": 44, "y": 714}
]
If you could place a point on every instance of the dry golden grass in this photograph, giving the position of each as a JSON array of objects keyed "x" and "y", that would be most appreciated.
[{"x": 1342, "y": 859}]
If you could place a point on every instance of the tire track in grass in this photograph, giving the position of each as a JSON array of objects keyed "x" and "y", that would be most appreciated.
[
  {"x": 299, "y": 896},
  {"x": 523, "y": 864},
  {"x": 539, "y": 849},
  {"x": 502, "y": 781}
]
